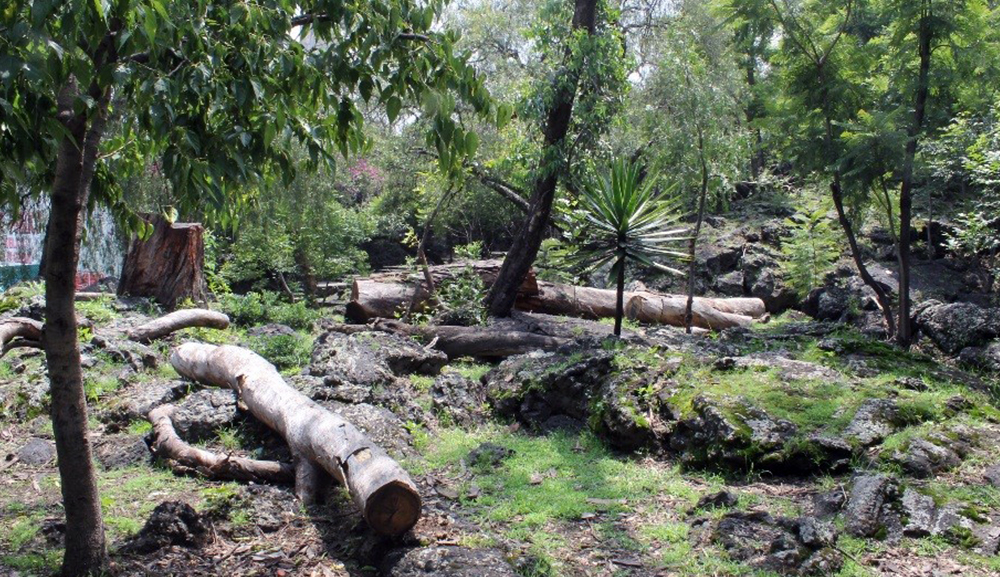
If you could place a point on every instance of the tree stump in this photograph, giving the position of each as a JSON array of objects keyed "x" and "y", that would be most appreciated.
[{"x": 168, "y": 266}]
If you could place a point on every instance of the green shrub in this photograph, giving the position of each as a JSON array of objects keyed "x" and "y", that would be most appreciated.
[
  {"x": 258, "y": 308},
  {"x": 810, "y": 252},
  {"x": 283, "y": 351}
]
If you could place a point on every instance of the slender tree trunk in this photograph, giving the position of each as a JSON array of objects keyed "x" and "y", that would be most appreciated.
[
  {"x": 924, "y": 37},
  {"x": 85, "y": 544},
  {"x": 620, "y": 295},
  {"x": 425, "y": 237},
  {"x": 688, "y": 315},
  {"x": 845, "y": 223},
  {"x": 524, "y": 249}
]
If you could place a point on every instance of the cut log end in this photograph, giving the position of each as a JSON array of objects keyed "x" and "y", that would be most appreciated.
[{"x": 393, "y": 509}]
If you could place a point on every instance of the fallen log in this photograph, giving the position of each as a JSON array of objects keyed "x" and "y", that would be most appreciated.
[
  {"x": 176, "y": 321},
  {"x": 18, "y": 332},
  {"x": 84, "y": 296},
  {"x": 183, "y": 458},
  {"x": 374, "y": 298},
  {"x": 456, "y": 342},
  {"x": 321, "y": 441},
  {"x": 642, "y": 306}
]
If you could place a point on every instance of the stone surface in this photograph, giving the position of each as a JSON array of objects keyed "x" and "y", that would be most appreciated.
[
  {"x": 863, "y": 513},
  {"x": 201, "y": 414},
  {"x": 956, "y": 326},
  {"x": 172, "y": 523},
  {"x": 721, "y": 499},
  {"x": 37, "y": 452},
  {"x": 117, "y": 451},
  {"x": 371, "y": 358},
  {"x": 135, "y": 401},
  {"x": 487, "y": 456},
  {"x": 786, "y": 546},
  {"x": 446, "y": 561},
  {"x": 271, "y": 330},
  {"x": 992, "y": 475},
  {"x": 923, "y": 458},
  {"x": 457, "y": 399},
  {"x": 919, "y": 511},
  {"x": 874, "y": 421},
  {"x": 381, "y": 425}
]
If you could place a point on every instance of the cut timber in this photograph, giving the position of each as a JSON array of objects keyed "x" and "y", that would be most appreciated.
[
  {"x": 168, "y": 265},
  {"x": 646, "y": 307},
  {"x": 20, "y": 332},
  {"x": 184, "y": 458},
  {"x": 373, "y": 298},
  {"x": 377, "y": 484},
  {"x": 176, "y": 321},
  {"x": 456, "y": 342}
]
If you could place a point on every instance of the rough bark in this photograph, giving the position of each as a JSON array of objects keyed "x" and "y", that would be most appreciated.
[
  {"x": 503, "y": 293},
  {"x": 183, "y": 458},
  {"x": 18, "y": 332},
  {"x": 457, "y": 342},
  {"x": 176, "y": 321},
  {"x": 377, "y": 484},
  {"x": 168, "y": 266},
  {"x": 85, "y": 550},
  {"x": 372, "y": 299}
]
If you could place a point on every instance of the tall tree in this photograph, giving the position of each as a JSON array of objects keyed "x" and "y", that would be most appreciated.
[
  {"x": 220, "y": 91},
  {"x": 524, "y": 249}
]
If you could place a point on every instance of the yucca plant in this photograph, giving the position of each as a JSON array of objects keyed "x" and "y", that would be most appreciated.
[{"x": 629, "y": 219}]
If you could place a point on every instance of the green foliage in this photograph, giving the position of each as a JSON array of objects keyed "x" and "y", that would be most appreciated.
[
  {"x": 100, "y": 310},
  {"x": 257, "y": 308},
  {"x": 286, "y": 352},
  {"x": 462, "y": 295},
  {"x": 471, "y": 251},
  {"x": 625, "y": 218},
  {"x": 811, "y": 250}
]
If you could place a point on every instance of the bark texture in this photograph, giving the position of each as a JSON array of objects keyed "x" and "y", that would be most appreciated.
[
  {"x": 503, "y": 293},
  {"x": 76, "y": 159},
  {"x": 176, "y": 321},
  {"x": 183, "y": 458},
  {"x": 377, "y": 484},
  {"x": 168, "y": 266}
]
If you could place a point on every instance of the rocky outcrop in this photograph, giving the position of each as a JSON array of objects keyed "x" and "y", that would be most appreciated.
[
  {"x": 866, "y": 512},
  {"x": 446, "y": 561},
  {"x": 875, "y": 420},
  {"x": 787, "y": 546},
  {"x": 172, "y": 523},
  {"x": 956, "y": 326},
  {"x": 458, "y": 400},
  {"x": 202, "y": 414}
]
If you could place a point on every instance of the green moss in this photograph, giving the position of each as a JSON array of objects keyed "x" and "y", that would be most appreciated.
[
  {"x": 422, "y": 383},
  {"x": 139, "y": 428}
]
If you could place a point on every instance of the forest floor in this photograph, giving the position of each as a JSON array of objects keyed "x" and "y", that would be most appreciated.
[{"x": 504, "y": 497}]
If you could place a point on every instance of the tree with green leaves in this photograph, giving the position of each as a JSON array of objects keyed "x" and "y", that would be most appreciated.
[
  {"x": 220, "y": 92},
  {"x": 626, "y": 219}
]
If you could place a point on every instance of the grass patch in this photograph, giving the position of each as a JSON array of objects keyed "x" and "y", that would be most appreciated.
[
  {"x": 99, "y": 386},
  {"x": 471, "y": 370},
  {"x": 422, "y": 383},
  {"x": 549, "y": 481},
  {"x": 139, "y": 428},
  {"x": 99, "y": 311}
]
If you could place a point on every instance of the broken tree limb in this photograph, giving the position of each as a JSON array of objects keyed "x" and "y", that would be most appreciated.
[
  {"x": 377, "y": 484},
  {"x": 183, "y": 458},
  {"x": 456, "y": 342},
  {"x": 176, "y": 321},
  {"x": 18, "y": 332}
]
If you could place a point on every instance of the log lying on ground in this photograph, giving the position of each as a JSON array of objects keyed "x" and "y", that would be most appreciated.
[
  {"x": 456, "y": 342},
  {"x": 372, "y": 299},
  {"x": 20, "y": 332},
  {"x": 647, "y": 307},
  {"x": 176, "y": 321},
  {"x": 84, "y": 296},
  {"x": 183, "y": 458},
  {"x": 321, "y": 441}
]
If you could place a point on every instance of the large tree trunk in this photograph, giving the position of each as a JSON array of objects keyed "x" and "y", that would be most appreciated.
[
  {"x": 924, "y": 38},
  {"x": 372, "y": 300},
  {"x": 168, "y": 266},
  {"x": 318, "y": 438},
  {"x": 522, "y": 253},
  {"x": 76, "y": 160},
  {"x": 457, "y": 342}
]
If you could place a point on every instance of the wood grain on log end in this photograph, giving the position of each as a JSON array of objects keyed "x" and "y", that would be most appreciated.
[{"x": 393, "y": 509}]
